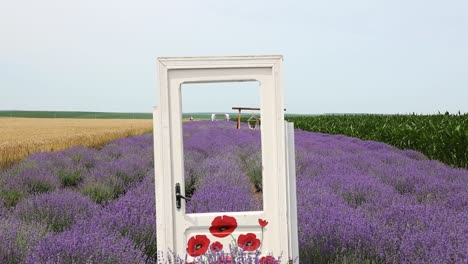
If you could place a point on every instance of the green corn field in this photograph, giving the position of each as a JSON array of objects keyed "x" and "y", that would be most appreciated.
[{"x": 443, "y": 137}]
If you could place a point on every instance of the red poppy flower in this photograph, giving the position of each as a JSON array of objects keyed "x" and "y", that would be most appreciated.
[
  {"x": 248, "y": 242},
  {"x": 198, "y": 245},
  {"x": 216, "y": 246},
  {"x": 223, "y": 226},
  {"x": 268, "y": 260},
  {"x": 262, "y": 222}
]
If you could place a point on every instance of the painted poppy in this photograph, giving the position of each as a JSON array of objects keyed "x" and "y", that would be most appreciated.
[
  {"x": 216, "y": 246},
  {"x": 262, "y": 222},
  {"x": 198, "y": 245},
  {"x": 268, "y": 260},
  {"x": 223, "y": 226},
  {"x": 248, "y": 242}
]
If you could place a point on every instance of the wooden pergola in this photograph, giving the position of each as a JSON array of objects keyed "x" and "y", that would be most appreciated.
[{"x": 239, "y": 109}]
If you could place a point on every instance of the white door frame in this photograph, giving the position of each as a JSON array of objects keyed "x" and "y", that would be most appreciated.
[{"x": 169, "y": 164}]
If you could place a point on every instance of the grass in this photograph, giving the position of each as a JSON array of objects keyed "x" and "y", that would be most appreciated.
[
  {"x": 101, "y": 193},
  {"x": 70, "y": 178},
  {"x": 20, "y": 137},
  {"x": 75, "y": 114}
]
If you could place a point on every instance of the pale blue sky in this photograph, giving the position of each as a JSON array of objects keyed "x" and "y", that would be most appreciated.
[{"x": 369, "y": 56}]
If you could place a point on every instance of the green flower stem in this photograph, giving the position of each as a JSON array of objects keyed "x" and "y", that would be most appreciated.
[
  {"x": 261, "y": 243},
  {"x": 233, "y": 239}
]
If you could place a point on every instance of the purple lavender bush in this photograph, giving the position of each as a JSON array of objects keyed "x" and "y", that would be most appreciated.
[
  {"x": 103, "y": 184},
  {"x": 17, "y": 185},
  {"x": 69, "y": 166},
  {"x": 45, "y": 172},
  {"x": 85, "y": 244},
  {"x": 214, "y": 167},
  {"x": 224, "y": 188},
  {"x": 17, "y": 237},
  {"x": 10, "y": 192},
  {"x": 133, "y": 216},
  {"x": 358, "y": 201},
  {"x": 3, "y": 209},
  {"x": 364, "y": 201},
  {"x": 57, "y": 210},
  {"x": 116, "y": 173}
]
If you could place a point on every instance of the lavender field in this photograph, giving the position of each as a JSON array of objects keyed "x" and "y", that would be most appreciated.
[{"x": 358, "y": 201}]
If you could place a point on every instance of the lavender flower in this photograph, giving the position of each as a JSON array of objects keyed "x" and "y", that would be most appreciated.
[
  {"x": 358, "y": 201},
  {"x": 57, "y": 210},
  {"x": 16, "y": 239},
  {"x": 133, "y": 216},
  {"x": 85, "y": 244}
]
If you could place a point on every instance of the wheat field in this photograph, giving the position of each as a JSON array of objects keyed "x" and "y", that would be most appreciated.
[{"x": 20, "y": 137}]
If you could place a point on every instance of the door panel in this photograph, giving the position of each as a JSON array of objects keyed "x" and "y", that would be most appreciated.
[{"x": 175, "y": 227}]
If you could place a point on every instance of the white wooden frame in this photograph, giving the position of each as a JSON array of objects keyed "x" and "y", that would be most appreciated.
[{"x": 278, "y": 206}]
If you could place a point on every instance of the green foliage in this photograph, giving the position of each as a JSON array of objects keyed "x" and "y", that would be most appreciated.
[
  {"x": 252, "y": 167},
  {"x": 100, "y": 192},
  {"x": 37, "y": 186},
  {"x": 441, "y": 137},
  {"x": 354, "y": 199},
  {"x": 191, "y": 182},
  {"x": 66, "y": 114},
  {"x": 70, "y": 178},
  {"x": 145, "y": 240},
  {"x": 350, "y": 256},
  {"x": 18, "y": 238},
  {"x": 11, "y": 197}
]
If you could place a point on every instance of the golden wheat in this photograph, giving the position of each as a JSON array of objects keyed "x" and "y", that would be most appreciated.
[{"x": 20, "y": 137}]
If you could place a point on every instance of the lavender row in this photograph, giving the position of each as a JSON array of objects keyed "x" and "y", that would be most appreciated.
[
  {"x": 103, "y": 175},
  {"x": 215, "y": 167},
  {"x": 358, "y": 201},
  {"x": 366, "y": 201},
  {"x": 49, "y": 215},
  {"x": 121, "y": 232}
]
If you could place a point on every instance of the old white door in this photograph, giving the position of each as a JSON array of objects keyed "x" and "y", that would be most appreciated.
[{"x": 175, "y": 228}]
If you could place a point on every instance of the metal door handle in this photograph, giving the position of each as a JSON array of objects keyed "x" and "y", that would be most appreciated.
[{"x": 179, "y": 196}]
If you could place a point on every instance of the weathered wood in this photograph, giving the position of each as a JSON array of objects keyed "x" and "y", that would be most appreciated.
[
  {"x": 246, "y": 108},
  {"x": 238, "y": 119},
  {"x": 239, "y": 108}
]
